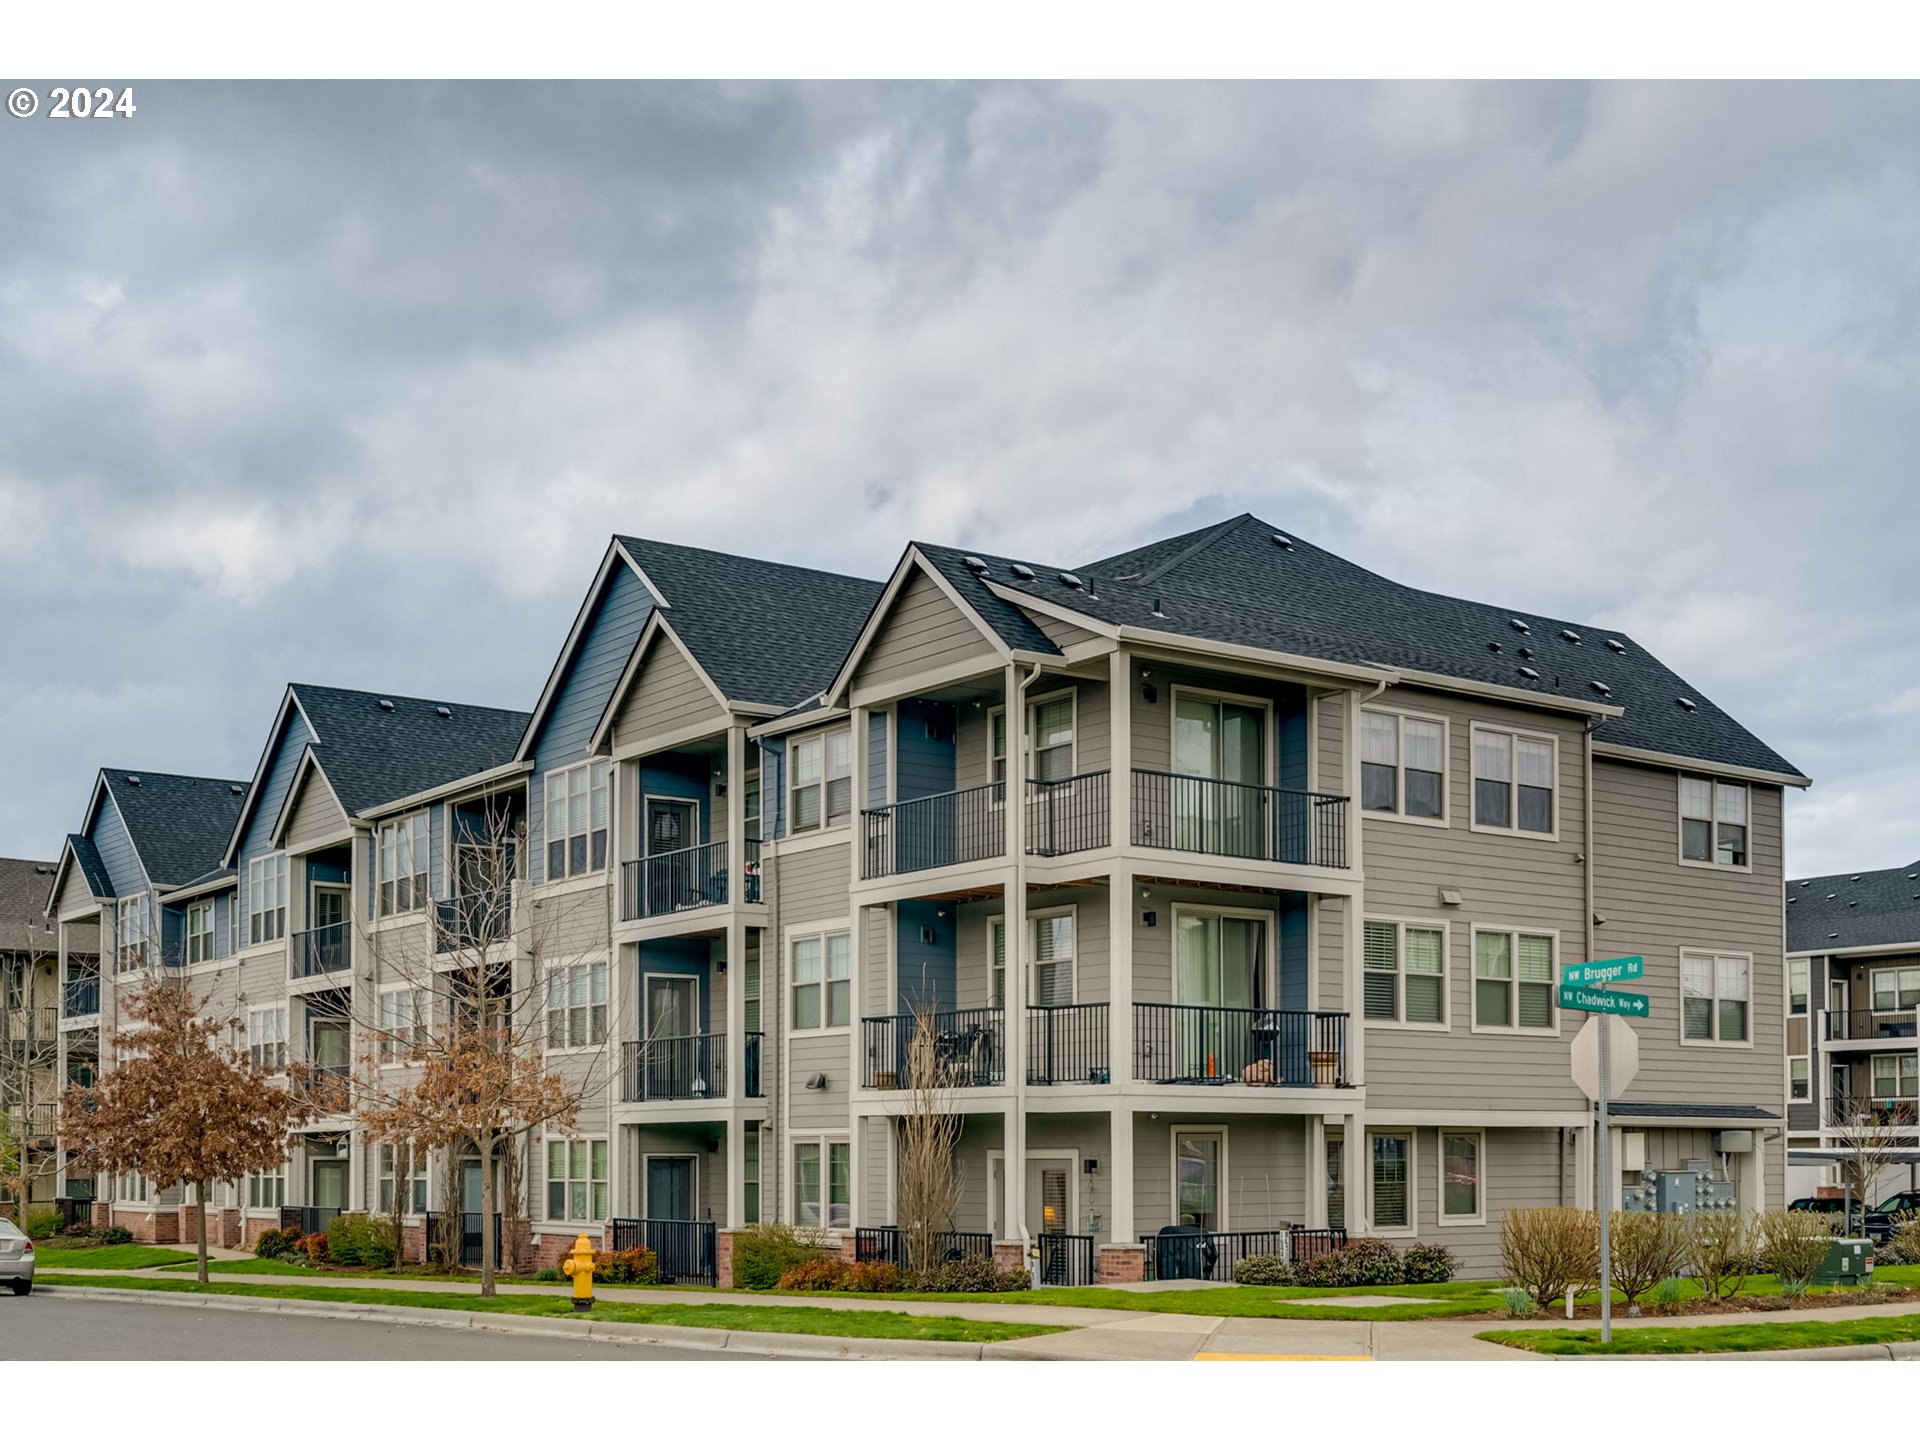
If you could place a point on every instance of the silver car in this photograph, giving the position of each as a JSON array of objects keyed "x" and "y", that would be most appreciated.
[{"x": 16, "y": 1258}]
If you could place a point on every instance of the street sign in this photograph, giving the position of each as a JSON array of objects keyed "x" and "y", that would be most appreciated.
[
  {"x": 1604, "y": 972},
  {"x": 1605, "y": 1002},
  {"x": 1623, "y": 1056}
]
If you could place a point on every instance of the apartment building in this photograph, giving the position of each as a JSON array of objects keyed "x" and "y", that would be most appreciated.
[
  {"x": 1853, "y": 1024},
  {"x": 1234, "y": 878},
  {"x": 29, "y": 1021}
]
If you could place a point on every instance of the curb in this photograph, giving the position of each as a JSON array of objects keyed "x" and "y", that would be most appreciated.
[
  {"x": 1895, "y": 1350},
  {"x": 681, "y": 1337}
]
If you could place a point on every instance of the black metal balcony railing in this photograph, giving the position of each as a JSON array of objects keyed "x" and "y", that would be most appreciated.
[
  {"x": 885, "y": 1244},
  {"x": 1872, "y": 1024},
  {"x": 1067, "y": 1045},
  {"x": 685, "y": 1067},
  {"x": 688, "y": 879},
  {"x": 1859, "y": 1114},
  {"x": 80, "y": 996},
  {"x": 323, "y": 950},
  {"x": 1184, "y": 1252},
  {"x": 472, "y": 921},
  {"x": 969, "y": 1048},
  {"x": 1226, "y": 1045},
  {"x": 688, "y": 1250},
  {"x": 1067, "y": 816},
  {"x": 1248, "y": 822},
  {"x": 952, "y": 828}
]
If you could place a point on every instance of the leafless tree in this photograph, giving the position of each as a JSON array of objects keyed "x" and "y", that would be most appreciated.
[
  {"x": 929, "y": 1135},
  {"x": 1868, "y": 1141},
  {"x": 29, "y": 1072}
]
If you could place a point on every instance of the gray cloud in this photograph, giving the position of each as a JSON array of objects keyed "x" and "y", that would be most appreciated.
[{"x": 350, "y": 382}]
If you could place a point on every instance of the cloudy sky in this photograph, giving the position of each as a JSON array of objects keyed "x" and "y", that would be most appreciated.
[{"x": 349, "y": 384}]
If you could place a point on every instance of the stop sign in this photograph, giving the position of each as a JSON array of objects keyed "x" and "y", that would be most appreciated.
[{"x": 1623, "y": 1056}]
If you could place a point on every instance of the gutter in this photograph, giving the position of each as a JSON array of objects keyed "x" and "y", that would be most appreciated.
[{"x": 479, "y": 780}]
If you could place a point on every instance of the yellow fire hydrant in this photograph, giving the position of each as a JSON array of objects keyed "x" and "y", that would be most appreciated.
[{"x": 579, "y": 1265}]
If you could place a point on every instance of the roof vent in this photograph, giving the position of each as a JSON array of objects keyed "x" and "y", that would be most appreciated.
[
  {"x": 1615, "y": 646},
  {"x": 1283, "y": 542},
  {"x": 1792, "y": 898},
  {"x": 1852, "y": 903},
  {"x": 1805, "y": 883},
  {"x": 1833, "y": 934},
  {"x": 1494, "y": 646},
  {"x": 1572, "y": 637},
  {"x": 1068, "y": 578},
  {"x": 1834, "y": 896},
  {"x": 1023, "y": 572},
  {"x": 443, "y": 712},
  {"x": 1602, "y": 688},
  {"x": 1529, "y": 672},
  {"x": 133, "y": 779},
  {"x": 236, "y": 789},
  {"x": 386, "y": 705},
  {"x": 1526, "y": 652},
  {"x": 975, "y": 564},
  {"x": 1158, "y": 613},
  {"x": 1686, "y": 705},
  {"x": 1854, "y": 878},
  {"x": 1519, "y": 625}
]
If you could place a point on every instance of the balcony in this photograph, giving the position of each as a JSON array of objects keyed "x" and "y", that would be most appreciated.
[
  {"x": 685, "y": 1067},
  {"x": 80, "y": 996},
  {"x": 1067, "y": 1045},
  {"x": 323, "y": 950},
  {"x": 969, "y": 1048},
  {"x": 956, "y": 827},
  {"x": 1872, "y": 1025},
  {"x": 1229, "y": 1045},
  {"x": 30, "y": 1026},
  {"x": 1846, "y": 1114},
  {"x": 1247, "y": 822},
  {"x": 690, "y": 879},
  {"x": 1067, "y": 816},
  {"x": 472, "y": 921},
  {"x": 329, "y": 1088}
]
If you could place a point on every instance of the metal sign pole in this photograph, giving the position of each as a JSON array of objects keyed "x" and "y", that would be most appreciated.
[{"x": 1605, "y": 1186}]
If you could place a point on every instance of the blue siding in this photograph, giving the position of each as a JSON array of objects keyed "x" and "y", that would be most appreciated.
[
  {"x": 1294, "y": 958},
  {"x": 115, "y": 845},
  {"x": 437, "y": 852},
  {"x": 877, "y": 728},
  {"x": 773, "y": 788},
  {"x": 680, "y": 777},
  {"x": 925, "y": 737},
  {"x": 173, "y": 936},
  {"x": 926, "y": 975},
  {"x": 677, "y": 957},
  {"x": 606, "y": 645},
  {"x": 1290, "y": 727},
  {"x": 274, "y": 784}
]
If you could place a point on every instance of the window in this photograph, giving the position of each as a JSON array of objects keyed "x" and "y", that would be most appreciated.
[
  {"x": 1050, "y": 954},
  {"x": 750, "y": 802},
  {"x": 416, "y": 1196},
  {"x": 822, "y": 984},
  {"x": 1796, "y": 987},
  {"x": 1714, "y": 991},
  {"x": 1513, "y": 979},
  {"x": 1513, "y": 782},
  {"x": 267, "y": 1038},
  {"x": 1460, "y": 1176},
  {"x": 1199, "y": 1178},
  {"x": 1402, "y": 765},
  {"x": 576, "y": 1005},
  {"x": 822, "y": 781},
  {"x": 1337, "y": 1184},
  {"x": 1713, "y": 821},
  {"x": 403, "y": 1024},
  {"x": 577, "y": 820},
  {"x": 1392, "y": 1182},
  {"x": 750, "y": 1175},
  {"x": 130, "y": 1188},
  {"x": 1799, "y": 1085},
  {"x": 200, "y": 932},
  {"x": 1896, "y": 1077},
  {"x": 1895, "y": 989},
  {"x": 267, "y": 1189},
  {"x": 1406, "y": 973},
  {"x": 576, "y": 1179},
  {"x": 266, "y": 899},
  {"x": 1049, "y": 739},
  {"x": 750, "y": 985},
  {"x": 133, "y": 930},
  {"x": 404, "y": 850},
  {"x": 823, "y": 1198}
]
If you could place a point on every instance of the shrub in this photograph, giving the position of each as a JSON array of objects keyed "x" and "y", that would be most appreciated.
[
  {"x": 79, "y": 1230},
  {"x": 1519, "y": 1303},
  {"x": 1718, "y": 1251},
  {"x": 1363, "y": 1261},
  {"x": 1792, "y": 1245},
  {"x": 548, "y": 1274},
  {"x": 1666, "y": 1294},
  {"x": 116, "y": 1235},
  {"x": 1426, "y": 1265},
  {"x": 1546, "y": 1250},
  {"x": 1648, "y": 1246},
  {"x": 43, "y": 1224},
  {"x": 637, "y": 1266},
  {"x": 1263, "y": 1270},
  {"x": 1905, "y": 1240},
  {"x": 343, "y": 1245},
  {"x": 272, "y": 1244},
  {"x": 849, "y": 1277},
  {"x": 974, "y": 1275},
  {"x": 763, "y": 1253},
  {"x": 312, "y": 1248},
  {"x": 356, "y": 1239}
]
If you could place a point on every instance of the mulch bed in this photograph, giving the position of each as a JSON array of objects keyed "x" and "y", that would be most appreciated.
[{"x": 1747, "y": 1304}]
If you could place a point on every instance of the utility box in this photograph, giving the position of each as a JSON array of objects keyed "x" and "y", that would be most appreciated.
[
  {"x": 1733, "y": 1142},
  {"x": 1848, "y": 1262},
  {"x": 1679, "y": 1192}
]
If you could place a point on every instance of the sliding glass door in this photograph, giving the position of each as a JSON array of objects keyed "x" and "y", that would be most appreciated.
[
  {"x": 1219, "y": 755},
  {"x": 1219, "y": 964}
]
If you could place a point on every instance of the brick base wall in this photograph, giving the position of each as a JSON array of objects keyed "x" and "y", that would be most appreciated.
[
  {"x": 149, "y": 1227},
  {"x": 723, "y": 1259},
  {"x": 102, "y": 1214},
  {"x": 550, "y": 1250},
  {"x": 253, "y": 1227},
  {"x": 1009, "y": 1255},
  {"x": 1119, "y": 1264}
]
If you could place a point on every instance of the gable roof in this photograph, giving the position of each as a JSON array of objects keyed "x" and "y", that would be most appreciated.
[
  {"x": 80, "y": 850},
  {"x": 1236, "y": 583},
  {"x": 1843, "y": 912},
  {"x": 178, "y": 823},
  {"x": 26, "y": 888},
  {"x": 374, "y": 747}
]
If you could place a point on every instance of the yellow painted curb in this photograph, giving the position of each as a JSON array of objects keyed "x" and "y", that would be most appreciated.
[{"x": 1223, "y": 1355}]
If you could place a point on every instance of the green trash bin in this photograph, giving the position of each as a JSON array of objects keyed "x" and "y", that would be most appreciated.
[{"x": 1848, "y": 1262}]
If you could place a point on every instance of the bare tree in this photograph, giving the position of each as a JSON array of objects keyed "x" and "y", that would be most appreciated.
[
  {"x": 929, "y": 1134},
  {"x": 1868, "y": 1139},
  {"x": 29, "y": 1072}
]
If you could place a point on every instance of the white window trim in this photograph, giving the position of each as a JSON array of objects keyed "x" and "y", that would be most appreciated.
[
  {"x": 1896, "y": 971},
  {"x": 1479, "y": 1217},
  {"x": 1806, "y": 1060},
  {"x": 789, "y": 1202},
  {"x": 997, "y": 923},
  {"x": 1680, "y": 1021},
  {"x": 818, "y": 930},
  {"x": 421, "y": 1174},
  {"x": 1552, "y": 833},
  {"x": 1173, "y": 1173},
  {"x": 550, "y": 1137},
  {"x": 186, "y": 935},
  {"x": 1713, "y": 823},
  {"x": 647, "y": 799},
  {"x": 283, "y": 884},
  {"x": 1806, "y": 969},
  {"x": 1251, "y": 702},
  {"x": 997, "y": 1194},
  {"x": 1071, "y": 694},
  {"x": 1513, "y": 933},
  {"x": 380, "y": 1038},
  {"x": 547, "y": 1007},
  {"x": 827, "y": 824},
  {"x": 1442, "y": 821},
  {"x": 1400, "y": 922},
  {"x": 590, "y": 875},
  {"x": 1898, "y": 1061},
  {"x": 1269, "y": 962},
  {"x": 283, "y": 1010},
  {"x": 404, "y": 823},
  {"x": 1412, "y": 1138},
  {"x": 246, "y": 1190}
]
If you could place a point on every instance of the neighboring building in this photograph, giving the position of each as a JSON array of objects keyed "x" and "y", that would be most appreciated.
[
  {"x": 29, "y": 1035},
  {"x": 1245, "y": 913},
  {"x": 1853, "y": 1022}
]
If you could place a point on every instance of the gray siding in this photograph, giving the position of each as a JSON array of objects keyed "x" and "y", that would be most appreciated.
[
  {"x": 817, "y": 1053},
  {"x": 924, "y": 631},
  {"x": 269, "y": 796},
  {"x": 667, "y": 695},
  {"x": 1091, "y": 942},
  {"x": 1266, "y": 1170},
  {"x": 813, "y": 884},
  {"x": 1061, "y": 632},
  {"x": 316, "y": 815}
]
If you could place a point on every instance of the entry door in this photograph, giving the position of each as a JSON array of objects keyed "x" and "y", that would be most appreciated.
[
  {"x": 329, "y": 906},
  {"x": 1050, "y": 1197},
  {"x": 1218, "y": 968},
  {"x": 672, "y": 830},
  {"x": 677, "y": 1060},
  {"x": 327, "y": 924},
  {"x": 472, "y": 1228},
  {"x": 1837, "y": 1010},
  {"x": 1198, "y": 1181},
  {"x": 670, "y": 1187},
  {"x": 1219, "y": 751},
  {"x": 330, "y": 1187}
]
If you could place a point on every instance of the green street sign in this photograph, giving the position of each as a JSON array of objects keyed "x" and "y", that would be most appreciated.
[
  {"x": 1604, "y": 1002},
  {"x": 1603, "y": 972}
]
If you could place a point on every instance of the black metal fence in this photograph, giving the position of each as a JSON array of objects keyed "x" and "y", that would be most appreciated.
[
  {"x": 1068, "y": 1044},
  {"x": 884, "y": 1243},
  {"x": 1066, "y": 1259},
  {"x": 1183, "y": 1252},
  {"x": 969, "y": 1047},
  {"x": 1304, "y": 1244},
  {"x": 323, "y": 950},
  {"x": 952, "y": 828},
  {"x": 687, "y": 879},
  {"x": 1227, "y": 1045},
  {"x": 80, "y": 996},
  {"x": 688, "y": 1250},
  {"x": 467, "y": 922},
  {"x": 1872, "y": 1024},
  {"x": 1250, "y": 822},
  {"x": 308, "y": 1219},
  {"x": 1065, "y": 816}
]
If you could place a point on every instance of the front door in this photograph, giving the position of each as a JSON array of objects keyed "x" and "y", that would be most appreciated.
[
  {"x": 327, "y": 928},
  {"x": 471, "y": 1226},
  {"x": 672, "y": 830},
  {"x": 670, "y": 1187},
  {"x": 329, "y": 1188},
  {"x": 1219, "y": 760},
  {"x": 1838, "y": 1020},
  {"x": 1050, "y": 1212},
  {"x": 676, "y": 1055}
]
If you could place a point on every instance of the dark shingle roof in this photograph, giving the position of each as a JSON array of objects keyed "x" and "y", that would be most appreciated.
[
  {"x": 1233, "y": 583},
  {"x": 91, "y": 866},
  {"x": 372, "y": 756},
  {"x": 1840, "y": 912},
  {"x": 1687, "y": 1110},
  {"x": 25, "y": 886},
  {"x": 768, "y": 634},
  {"x": 178, "y": 823}
]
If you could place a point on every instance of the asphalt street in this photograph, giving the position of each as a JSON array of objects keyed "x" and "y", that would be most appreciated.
[{"x": 50, "y": 1327}]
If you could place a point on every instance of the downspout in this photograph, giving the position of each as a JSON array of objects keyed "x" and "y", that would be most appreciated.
[{"x": 1017, "y": 935}]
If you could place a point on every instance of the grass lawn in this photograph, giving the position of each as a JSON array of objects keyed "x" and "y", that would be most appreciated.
[
  {"x": 1714, "y": 1339},
  {"x": 781, "y": 1319},
  {"x": 107, "y": 1257},
  {"x": 281, "y": 1267}
]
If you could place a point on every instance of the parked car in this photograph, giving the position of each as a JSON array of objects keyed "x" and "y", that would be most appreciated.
[
  {"x": 1881, "y": 1219},
  {"x": 16, "y": 1258},
  {"x": 1820, "y": 1204}
]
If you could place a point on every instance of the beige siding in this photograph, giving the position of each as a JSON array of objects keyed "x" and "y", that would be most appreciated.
[
  {"x": 1153, "y": 944},
  {"x": 1329, "y": 772},
  {"x": 666, "y": 696},
  {"x": 817, "y": 1053},
  {"x": 974, "y": 943},
  {"x": 74, "y": 895},
  {"x": 979, "y": 1134},
  {"x": 811, "y": 885},
  {"x": 1266, "y": 1170},
  {"x": 1519, "y": 1169},
  {"x": 1061, "y": 632},
  {"x": 316, "y": 817},
  {"x": 924, "y": 631},
  {"x": 877, "y": 962}
]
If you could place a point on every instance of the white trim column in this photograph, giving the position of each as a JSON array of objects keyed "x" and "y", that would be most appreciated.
[
  {"x": 1583, "y": 1195},
  {"x": 736, "y": 952},
  {"x": 1356, "y": 917},
  {"x": 1120, "y": 879},
  {"x": 1014, "y": 929},
  {"x": 1316, "y": 1177},
  {"x": 1357, "y": 1160},
  {"x": 1120, "y": 1228}
]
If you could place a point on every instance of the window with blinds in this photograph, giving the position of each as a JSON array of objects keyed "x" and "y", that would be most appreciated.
[
  {"x": 1715, "y": 993},
  {"x": 1405, "y": 973},
  {"x": 1402, "y": 765},
  {"x": 1337, "y": 1184},
  {"x": 1513, "y": 980},
  {"x": 1392, "y": 1182},
  {"x": 1459, "y": 1175},
  {"x": 1051, "y": 939},
  {"x": 1513, "y": 782}
]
